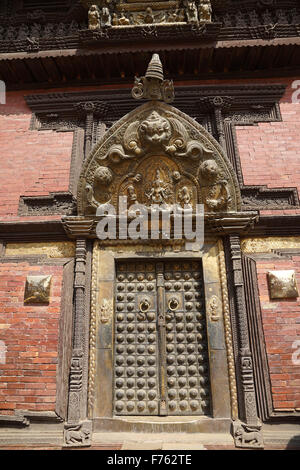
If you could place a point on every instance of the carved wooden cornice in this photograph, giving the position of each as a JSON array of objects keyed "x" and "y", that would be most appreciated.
[
  {"x": 115, "y": 64},
  {"x": 249, "y": 103},
  {"x": 74, "y": 36},
  {"x": 222, "y": 224}
]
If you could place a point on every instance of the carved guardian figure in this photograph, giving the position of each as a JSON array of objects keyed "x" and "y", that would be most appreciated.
[
  {"x": 94, "y": 18},
  {"x": 205, "y": 11},
  {"x": 215, "y": 188},
  {"x": 191, "y": 12}
]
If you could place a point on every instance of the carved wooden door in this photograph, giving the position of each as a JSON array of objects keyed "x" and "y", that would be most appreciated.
[{"x": 160, "y": 352}]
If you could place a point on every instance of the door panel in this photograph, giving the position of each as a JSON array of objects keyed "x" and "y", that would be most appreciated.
[{"x": 160, "y": 360}]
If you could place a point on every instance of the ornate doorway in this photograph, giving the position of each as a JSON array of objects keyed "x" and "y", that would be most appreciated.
[{"x": 160, "y": 351}]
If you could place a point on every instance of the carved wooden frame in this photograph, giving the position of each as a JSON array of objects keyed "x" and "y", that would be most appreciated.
[
  {"x": 224, "y": 400},
  {"x": 264, "y": 401}
]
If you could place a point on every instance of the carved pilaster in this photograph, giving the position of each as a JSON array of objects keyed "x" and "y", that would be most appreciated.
[
  {"x": 78, "y": 432},
  {"x": 90, "y": 110},
  {"x": 248, "y": 411},
  {"x": 217, "y": 105}
]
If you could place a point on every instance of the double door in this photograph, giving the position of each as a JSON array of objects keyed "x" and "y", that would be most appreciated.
[{"x": 160, "y": 343}]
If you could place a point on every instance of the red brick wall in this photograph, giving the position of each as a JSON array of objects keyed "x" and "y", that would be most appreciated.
[
  {"x": 281, "y": 324},
  {"x": 32, "y": 162},
  {"x": 30, "y": 334},
  {"x": 270, "y": 152}
]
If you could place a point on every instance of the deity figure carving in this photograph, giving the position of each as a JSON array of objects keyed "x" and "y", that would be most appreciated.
[
  {"x": 94, "y": 18},
  {"x": 131, "y": 195},
  {"x": 205, "y": 11},
  {"x": 184, "y": 196},
  {"x": 191, "y": 11},
  {"x": 123, "y": 20},
  {"x": 149, "y": 17},
  {"x": 115, "y": 19},
  {"x": 216, "y": 194},
  {"x": 160, "y": 191},
  {"x": 105, "y": 17},
  {"x": 172, "y": 16}
]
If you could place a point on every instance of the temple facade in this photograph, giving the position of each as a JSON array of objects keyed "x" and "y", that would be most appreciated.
[{"x": 150, "y": 223}]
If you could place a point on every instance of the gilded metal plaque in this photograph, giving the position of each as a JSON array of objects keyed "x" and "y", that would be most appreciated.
[
  {"x": 282, "y": 284},
  {"x": 37, "y": 290}
]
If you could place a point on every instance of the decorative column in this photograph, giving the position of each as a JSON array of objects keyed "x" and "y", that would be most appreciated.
[
  {"x": 78, "y": 429},
  {"x": 217, "y": 105},
  {"x": 91, "y": 111},
  {"x": 250, "y": 424}
]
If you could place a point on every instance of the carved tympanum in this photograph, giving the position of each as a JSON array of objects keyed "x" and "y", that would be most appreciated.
[
  {"x": 217, "y": 197},
  {"x": 158, "y": 155}
]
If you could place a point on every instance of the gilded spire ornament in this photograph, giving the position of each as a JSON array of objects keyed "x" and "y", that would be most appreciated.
[{"x": 153, "y": 86}]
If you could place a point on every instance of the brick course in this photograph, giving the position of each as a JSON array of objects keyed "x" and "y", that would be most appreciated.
[
  {"x": 30, "y": 334},
  {"x": 33, "y": 163},
  {"x": 270, "y": 152}
]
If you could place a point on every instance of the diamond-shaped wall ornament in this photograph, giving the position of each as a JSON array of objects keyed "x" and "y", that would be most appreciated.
[
  {"x": 37, "y": 290},
  {"x": 282, "y": 284}
]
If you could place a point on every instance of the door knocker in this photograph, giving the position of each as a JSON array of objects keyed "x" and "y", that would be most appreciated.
[
  {"x": 143, "y": 307},
  {"x": 173, "y": 304}
]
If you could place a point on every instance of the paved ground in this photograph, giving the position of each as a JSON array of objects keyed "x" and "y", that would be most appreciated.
[{"x": 17, "y": 439}]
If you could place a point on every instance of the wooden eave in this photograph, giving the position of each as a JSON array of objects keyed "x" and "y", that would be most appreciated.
[{"x": 111, "y": 64}]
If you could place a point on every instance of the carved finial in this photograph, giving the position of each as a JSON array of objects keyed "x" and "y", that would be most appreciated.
[
  {"x": 155, "y": 68},
  {"x": 153, "y": 86}
]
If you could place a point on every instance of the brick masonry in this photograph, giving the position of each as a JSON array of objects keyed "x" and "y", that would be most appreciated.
[
  {"x": 270, "y": 152},
  {"x": 33, "y": 163},
  {"x": 281, "y": 324},
  {"x": 30, "y": 335}
]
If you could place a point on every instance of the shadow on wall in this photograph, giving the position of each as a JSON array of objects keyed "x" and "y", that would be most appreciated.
[{"x": 294, "y": 443}]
